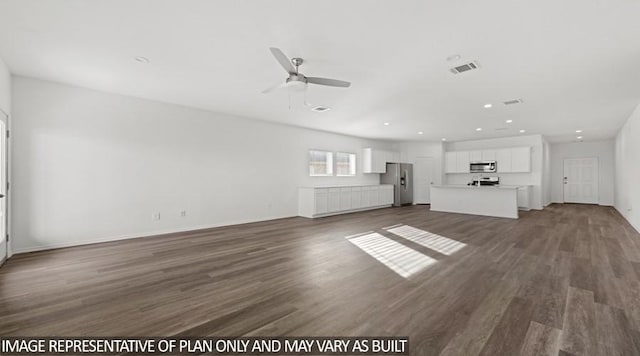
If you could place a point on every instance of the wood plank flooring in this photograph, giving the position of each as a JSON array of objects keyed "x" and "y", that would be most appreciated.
[{"x": 562, "y": 281}]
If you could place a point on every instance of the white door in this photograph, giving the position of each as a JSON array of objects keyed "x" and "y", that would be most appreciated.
[
  {"x": 3, "y": 188},
  {"x": 423, "y": 178},
  {"x": 581, "y": 180}
]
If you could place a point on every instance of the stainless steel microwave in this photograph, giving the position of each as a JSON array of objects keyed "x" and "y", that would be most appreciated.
[{"x": 483, "y": 167}]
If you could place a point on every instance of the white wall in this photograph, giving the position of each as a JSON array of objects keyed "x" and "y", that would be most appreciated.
[
  {"x": 90, "y": 166},
  {"x": 534, "y": 178},
  {"x": 5, "y": 88},
  {"x": 603, "y": 150},
  {"x": 627, "y": 177}
]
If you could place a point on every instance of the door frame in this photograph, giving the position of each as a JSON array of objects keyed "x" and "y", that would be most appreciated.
[
  {"x": 4, "y": 138},
  {"x": 597, "y": 179}
]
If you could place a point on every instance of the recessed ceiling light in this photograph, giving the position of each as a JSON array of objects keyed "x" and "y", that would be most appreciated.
[
  {"x": 479, "y": 129},
  {"x": 142, "y": 59},
  {"x": 444, "y": 139},
  {"x": 523, "y": 131},
  {"x": 420, "y": 132},
  {"x": 487, "y": 106},
  {"x": 509, "y": 121},
  {"x": 578, "y": 131},
  {"x": 579, "y": 137},
  {"x": 453, "y": 57},
  {"x": 386, "y": 124}
]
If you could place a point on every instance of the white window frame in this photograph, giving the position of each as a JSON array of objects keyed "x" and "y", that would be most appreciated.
[
  {"x": 330, "y": 163},
  {"x": 352, "y": 164}
]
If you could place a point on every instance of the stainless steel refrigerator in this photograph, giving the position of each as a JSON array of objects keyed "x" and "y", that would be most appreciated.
[{"x": 401, "y": 176}]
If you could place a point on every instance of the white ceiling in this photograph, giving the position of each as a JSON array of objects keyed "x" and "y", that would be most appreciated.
[{"x": 575, "y": 63}]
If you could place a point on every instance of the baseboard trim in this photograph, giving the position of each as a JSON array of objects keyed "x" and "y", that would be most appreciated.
[
  {"x": 637, "y": 228},
  {"x": 192, "y": 229}
]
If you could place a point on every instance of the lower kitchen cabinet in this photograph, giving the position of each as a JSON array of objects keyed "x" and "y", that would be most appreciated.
[
  {"x": 322, "y": 201},
  {"x": 524, "y": 197}
]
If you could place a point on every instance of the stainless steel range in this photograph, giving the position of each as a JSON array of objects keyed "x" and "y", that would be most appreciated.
[{"x": 485, "y": 181}]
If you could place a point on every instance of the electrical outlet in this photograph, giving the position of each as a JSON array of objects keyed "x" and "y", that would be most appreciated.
[
  {"x": 155, "y": 216},
  {"x": 183, "y": 213}
]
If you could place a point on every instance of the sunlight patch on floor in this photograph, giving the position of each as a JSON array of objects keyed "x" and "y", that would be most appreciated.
[
  {"x": 444, "y": 245},
  {"x": 401, "y": 259}
]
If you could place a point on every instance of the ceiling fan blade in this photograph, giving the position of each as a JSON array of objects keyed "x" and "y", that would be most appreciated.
[
  {"x": 329, "y": 82},
  {"x": 283, "y": 60},
  {"x": 273, "y": 88}
]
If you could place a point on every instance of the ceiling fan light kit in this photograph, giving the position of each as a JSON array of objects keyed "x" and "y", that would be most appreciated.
[{"x": 296, "y": 80}]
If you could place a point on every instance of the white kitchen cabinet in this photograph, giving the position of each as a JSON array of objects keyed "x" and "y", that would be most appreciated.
[
  {"x": 450, "y": 162},
  {"x": 356, "y": 197},
  {"x": 367, "y": 160},
  {"x": 375, "y": 160},
  {"x": 524, "y": 196},
  {"x": 520, "y": 159},
  {"x": 373, "y": 195},
  {"x": 314, "y": 202},
  {"x": 509, "y": 160},
  {"x": 334, "y": 200},
  {"x": 321, "y": 203},
  {"x": 364, "y": 196},
  {"x": 457, "y": 161},
  {"x": 345, "y": 198},
  {"x": 503, "y": 159},
  {"x": 484, "y": 155},
  {"x": 462, "y": 161},
  {"x": 394, "y": 157},
  {"x": 475, "y": 156},
  {"x": 489, "y": 155}
]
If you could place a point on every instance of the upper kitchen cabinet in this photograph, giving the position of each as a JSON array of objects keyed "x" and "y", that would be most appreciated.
[
  {"x": 503, "y": 159},
  {"x": 484, "y": 155},
  {"x": 457, "y": 161},
  {"x": 509, "y": 160},
  {"x": 375, "y": 160},
  {"x": 462, "y": 161},
  {"x": 520, "y": 159},
  {"x": 514, "y": 160},
  {"x": 489, "y": 155}
]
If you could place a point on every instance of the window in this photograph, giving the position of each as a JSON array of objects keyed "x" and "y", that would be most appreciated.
[
  {"x": 320, "y": 163},
  {"x": 345, "y": 164}
]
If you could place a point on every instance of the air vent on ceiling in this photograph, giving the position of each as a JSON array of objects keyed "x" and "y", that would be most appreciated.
[
  {"x": 511, "y": 102},
  {"x": 320, "y": 108},
  {"x": 465, "y": 67},
  {"x": 501, "y": 128}
]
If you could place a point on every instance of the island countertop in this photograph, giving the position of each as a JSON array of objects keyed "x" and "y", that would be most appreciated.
[{"x": 464, "y": 186}]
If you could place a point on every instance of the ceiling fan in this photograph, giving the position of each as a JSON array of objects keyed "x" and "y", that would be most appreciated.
[{"x": 296, "y": 80}]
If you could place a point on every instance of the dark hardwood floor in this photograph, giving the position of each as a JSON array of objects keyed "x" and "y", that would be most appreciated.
[{"x": 565, "y": 280}]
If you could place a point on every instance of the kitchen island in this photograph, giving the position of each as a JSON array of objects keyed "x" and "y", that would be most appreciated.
[{"x": 499, "y": 201}]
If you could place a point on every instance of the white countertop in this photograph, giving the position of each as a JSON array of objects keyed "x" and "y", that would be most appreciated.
[
  {"x": 346, "y": 186},
  {"x": 489, "y": 187}
]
